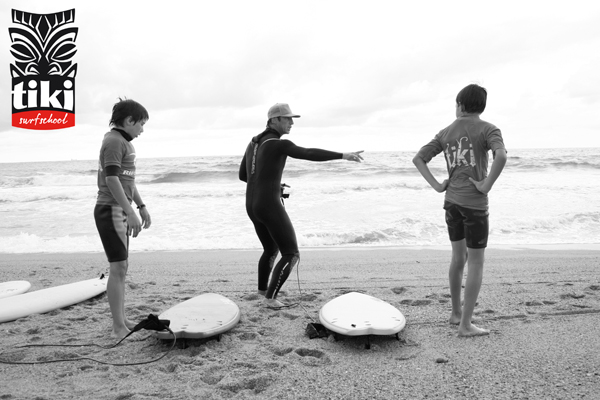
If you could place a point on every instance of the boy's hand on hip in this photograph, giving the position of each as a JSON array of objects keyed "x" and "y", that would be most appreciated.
[
  {"x": 443, "y": 186},
  {"x": 481, "y": 186}
]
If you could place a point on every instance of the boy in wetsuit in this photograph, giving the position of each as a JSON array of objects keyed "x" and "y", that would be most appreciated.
[
  {"x": 115, "y": 218},
  {"x": 465, "y": 144},
  {"x": 261, "y": 168}
]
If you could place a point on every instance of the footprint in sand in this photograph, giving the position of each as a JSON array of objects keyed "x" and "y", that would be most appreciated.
[
  {"x": 312, "y": 357},
  {"x": 417, "y": 303},
  {"x": 169, "y": 368},
  {"x": 308, "y": 297},
  {"x": 399, "y": 290},
  {"x": 237, "y": 381},
  {"x": 212, "y": 375},
  {"x": 572, "y": 296},
  {"x": 533, "y": 303},
  {"x": 282, "y": 351},
  {"x": 252, "y": 296},
  {"x": 343, "y": 291},
  {"x": 289, "y": 316},
  {"x": 248, "y": 336}
]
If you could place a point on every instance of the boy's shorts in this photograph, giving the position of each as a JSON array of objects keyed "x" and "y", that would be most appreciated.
[
  {"x": 111, "y": 222},
  {"x": 467, "y": 223}
]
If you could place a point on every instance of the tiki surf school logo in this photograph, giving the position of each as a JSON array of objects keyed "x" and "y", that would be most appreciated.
[{"x": 43, "y": 74}]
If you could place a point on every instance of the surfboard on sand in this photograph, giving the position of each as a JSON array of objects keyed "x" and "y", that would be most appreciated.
[
  {"x": 357, "y": 314},
  {"x": 203, "y": 316},
  {"x": 45, "y": 300},
  {"x": 13, "y": 288}
]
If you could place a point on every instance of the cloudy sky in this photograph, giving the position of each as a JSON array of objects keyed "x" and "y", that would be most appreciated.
[{"x": 372, "y": 75}]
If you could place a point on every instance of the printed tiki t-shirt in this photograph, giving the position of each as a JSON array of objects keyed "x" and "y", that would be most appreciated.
[
  {"x": 465, "y": 144},
  {"x": 116, "y": 151}
]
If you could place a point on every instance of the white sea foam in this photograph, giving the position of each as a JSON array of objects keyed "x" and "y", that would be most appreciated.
[{"x": 542, "y": 197}]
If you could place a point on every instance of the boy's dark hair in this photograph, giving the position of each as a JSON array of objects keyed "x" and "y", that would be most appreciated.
[
  {"x": 127, "y": 108},
  {"x": 473, "y": 98}
]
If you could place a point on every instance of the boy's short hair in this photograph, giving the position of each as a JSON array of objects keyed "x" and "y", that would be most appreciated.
[
  {"x": 473, "y": 98},
  {"x": 127, "y": 108}
]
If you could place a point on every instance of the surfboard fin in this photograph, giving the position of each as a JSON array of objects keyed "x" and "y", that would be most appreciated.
[{"x": 315, "y": 330}]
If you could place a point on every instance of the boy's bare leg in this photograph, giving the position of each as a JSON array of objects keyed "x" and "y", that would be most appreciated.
[
  {"x": 129, "y": 324},
  {"x": 472, "y": 287},
  {"x": 455, "y": 277},
  {"x": 115, "y": 289}
]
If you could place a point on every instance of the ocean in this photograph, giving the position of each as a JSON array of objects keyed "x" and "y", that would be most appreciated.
[{"x": 544, "y": 196}]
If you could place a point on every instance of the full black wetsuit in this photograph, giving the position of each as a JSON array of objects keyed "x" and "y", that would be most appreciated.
[{"x": 261, "y": 168}]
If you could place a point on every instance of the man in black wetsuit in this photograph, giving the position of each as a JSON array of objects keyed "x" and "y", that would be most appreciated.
[{"x": 261, "y": 168}]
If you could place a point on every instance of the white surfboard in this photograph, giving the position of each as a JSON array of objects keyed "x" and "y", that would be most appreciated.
[
  {"x": 45, "y": 300},
  {"x": 357, "y": 314},
  {"x": 13, "y": 288},
  {"x": 203, "y": 316}
]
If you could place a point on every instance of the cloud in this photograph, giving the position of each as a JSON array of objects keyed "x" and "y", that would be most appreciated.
[{"x": 208, "y": 71}]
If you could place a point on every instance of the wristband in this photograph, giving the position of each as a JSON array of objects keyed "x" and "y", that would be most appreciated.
[{"x": 141, "y": 206}]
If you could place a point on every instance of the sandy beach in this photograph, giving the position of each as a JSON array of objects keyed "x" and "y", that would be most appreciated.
[{"x": 542, "y": 307}]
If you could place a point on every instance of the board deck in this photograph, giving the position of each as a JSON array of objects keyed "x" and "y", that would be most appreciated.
[
  {"x": 203, "y": 316},
  {"x": 357, "y": 314},
  {"x": 12, "y": 288},
  {"x": 53, "y": 298}
]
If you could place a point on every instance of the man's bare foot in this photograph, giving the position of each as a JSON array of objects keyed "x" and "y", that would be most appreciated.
[
  {"x": 272, "y": 303},
  {"x": 121, "y": 333},
  {"x": 471, "y": 331}
]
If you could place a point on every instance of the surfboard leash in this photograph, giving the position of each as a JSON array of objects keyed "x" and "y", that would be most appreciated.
[
  {"x": 150, "y": 323},
  {"x": 313, "y": 329}
]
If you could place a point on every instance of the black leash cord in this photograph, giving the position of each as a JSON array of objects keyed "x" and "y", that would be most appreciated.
[{"x": 88, "y": 358}]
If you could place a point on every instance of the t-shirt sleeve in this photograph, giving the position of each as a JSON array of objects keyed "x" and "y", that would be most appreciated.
[
  {"x": 113, "y": 153},
  {"x": 311, "y": 154},
  {"x": 493, "y": 139},
  {"x": 431, "y": 149}
]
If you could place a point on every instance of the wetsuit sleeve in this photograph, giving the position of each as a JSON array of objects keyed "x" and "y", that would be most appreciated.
[
  {"x": 291, "y": 150},
  {"x": 243, "y": 174}
]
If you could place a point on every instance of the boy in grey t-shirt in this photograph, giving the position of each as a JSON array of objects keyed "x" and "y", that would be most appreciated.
[
  {"x": 465, "y": 144},
  {"x": 115, "y": 218}
]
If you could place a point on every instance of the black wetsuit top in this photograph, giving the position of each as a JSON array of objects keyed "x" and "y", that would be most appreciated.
[{"x": 261, "y": 169}]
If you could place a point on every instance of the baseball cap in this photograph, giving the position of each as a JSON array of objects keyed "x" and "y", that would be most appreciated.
[{"x": 281, "y": 110}]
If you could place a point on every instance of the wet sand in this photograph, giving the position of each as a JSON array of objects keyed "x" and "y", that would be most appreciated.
[{"x": 542, "y": 307}]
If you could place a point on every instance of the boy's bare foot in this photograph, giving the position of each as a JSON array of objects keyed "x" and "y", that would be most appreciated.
[
  {"x": 455, "y": 319},
  {"x": 120, "y": 334},
  {"x": 472, "y": 331}
]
